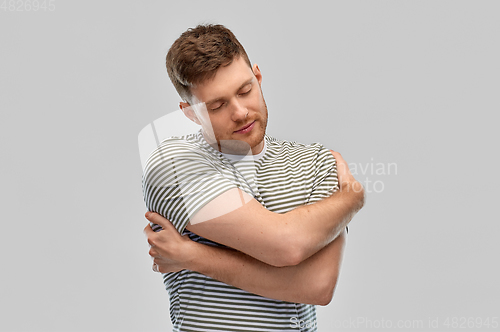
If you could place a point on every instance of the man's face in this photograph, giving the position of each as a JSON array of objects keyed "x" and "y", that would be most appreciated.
[{"x": 236, "y": 107}]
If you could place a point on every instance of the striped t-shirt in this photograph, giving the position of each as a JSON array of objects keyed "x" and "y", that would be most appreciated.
[{"x": 184, "y": 174}]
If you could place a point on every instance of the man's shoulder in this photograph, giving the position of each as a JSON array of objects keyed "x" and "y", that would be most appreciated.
[
  {"x": 178, "y": 150},
  {"x": 299, "y": 154},
  {"x": 175, "y": 143},
  {"x": 286, "y": 146}
]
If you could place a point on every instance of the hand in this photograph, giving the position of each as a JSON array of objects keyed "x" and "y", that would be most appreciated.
[
  {"x": 171, "y": 252},
  {"x": 347, "y": 182}
]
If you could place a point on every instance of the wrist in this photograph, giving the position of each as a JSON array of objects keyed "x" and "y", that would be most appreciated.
[{"x": 196, "y": 257}]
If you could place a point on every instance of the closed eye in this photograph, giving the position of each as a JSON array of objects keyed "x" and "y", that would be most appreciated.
[
  {"x": 216, "y": 106},
  {"x": 246, "y": 90}
]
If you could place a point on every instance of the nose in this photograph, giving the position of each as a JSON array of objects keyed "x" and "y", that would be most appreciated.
[{"x": 239, "y": 111}]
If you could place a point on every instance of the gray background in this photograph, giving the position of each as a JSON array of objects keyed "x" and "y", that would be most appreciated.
[{"x": 411, "y": 83}]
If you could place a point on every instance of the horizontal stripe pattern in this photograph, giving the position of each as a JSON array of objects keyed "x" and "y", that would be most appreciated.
[{"x": 184, "y": 174}]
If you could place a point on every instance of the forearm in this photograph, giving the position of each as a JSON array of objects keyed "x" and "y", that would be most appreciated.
[
  {"x": 311, "y": 227},
  {"x": 252, "y": 229},
  {"x": 312, "y": 281}
]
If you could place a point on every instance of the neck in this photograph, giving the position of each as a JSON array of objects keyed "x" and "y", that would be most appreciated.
[
  {"x": 233, "y": 146},
  {"x": 258, "y": 148}
]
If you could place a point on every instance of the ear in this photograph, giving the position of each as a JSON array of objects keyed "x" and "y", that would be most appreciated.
[
  {"x": 188, "y": 111},
  {"x": 257, "y": 73}
]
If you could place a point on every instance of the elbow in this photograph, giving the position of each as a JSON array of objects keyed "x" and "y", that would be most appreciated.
[
  {"x": 286, "y": 252},
  {"x": 287, "y": 256},
  {"x": 291, "y": 252},
  {"x": 323, "y": 292},
  {"x": 361, "y": 195},
  {"x": 295, "y": 247},
  {"x": 295, "y": 257},
  {"x": 326, "y": 297}
]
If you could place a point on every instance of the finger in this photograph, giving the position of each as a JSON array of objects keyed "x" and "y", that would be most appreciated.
[
  {"x": 157, "y": 266},
  {"x": 341, "y": 163},
  {"x": 152, "y": 243},
  {"x": 147, "y": 229},
  {"x": 158, "y": 219},
  {"x": 153, "y": 253},
  {"x": 338, "y": 157},
  {"x": 151, "y": 236}
]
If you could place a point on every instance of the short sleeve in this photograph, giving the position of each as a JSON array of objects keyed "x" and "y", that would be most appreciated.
[
  {"x": 179, "y": 179},
  {"x": 325, "y": 177}
]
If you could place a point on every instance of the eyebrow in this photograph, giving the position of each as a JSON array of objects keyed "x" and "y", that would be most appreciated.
[{"x": 219, "y": 98}]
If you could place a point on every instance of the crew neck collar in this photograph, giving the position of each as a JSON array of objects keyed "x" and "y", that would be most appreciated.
[
  {"x": 235, "y": 157},
  {"x": 247, "y": 157}
]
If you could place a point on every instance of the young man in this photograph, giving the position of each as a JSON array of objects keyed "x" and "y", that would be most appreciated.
[{"x": 263, "y": 220}]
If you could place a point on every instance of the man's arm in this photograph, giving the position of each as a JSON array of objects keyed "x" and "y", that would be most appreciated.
[
  {"x": 313, "y": 281},
  {"x": 253, "y": 229}
]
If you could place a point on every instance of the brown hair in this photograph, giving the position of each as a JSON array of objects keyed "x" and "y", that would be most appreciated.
[{"x": 197, "y": 54}]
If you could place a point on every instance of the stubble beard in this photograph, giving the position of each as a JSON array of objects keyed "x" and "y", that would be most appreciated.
[{"x": 242, "y": 147}]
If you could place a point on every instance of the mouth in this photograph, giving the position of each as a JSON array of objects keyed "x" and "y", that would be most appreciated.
[{"x": 246, "y": 128}]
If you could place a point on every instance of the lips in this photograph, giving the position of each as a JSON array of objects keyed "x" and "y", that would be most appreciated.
[{"x": 246, "y": 128}]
